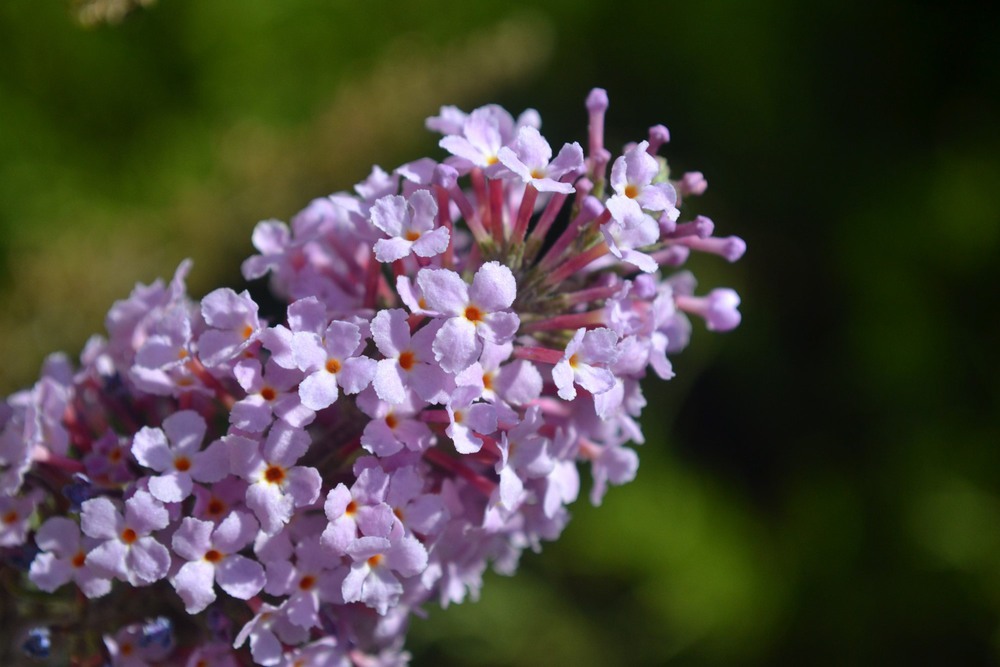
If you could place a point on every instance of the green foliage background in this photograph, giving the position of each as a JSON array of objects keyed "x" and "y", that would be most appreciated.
[{"x": 821, "y": 486}]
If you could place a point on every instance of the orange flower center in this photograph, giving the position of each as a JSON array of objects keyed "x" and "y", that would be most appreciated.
[
  {"x": 573, "y": 361},
  {"x": 351, "y": 508},
  {"x": 10, "y": 517},
  {"x": 411, "y": 235},
  {"x": 182, "y": 463},
  {"x": 247, "y": 331},
  {"x": 307, "y": 582},
  {"x": 407, "y": 359},
  {"x": 215, "y": 507},
  {"x": 375, "y": 560},
  {"x": 129, "y": 536},
  {"x": 631, "y": 191},
  {"x": 268, "y": 394},
  {"x": 333, "y": 366},
  {"x": 79, "y": 559},
  {"x": 473, "y": 314},
  {"x": 274, "y": 474},
  {"x": 391, "y": 421},
  {"x": 488, "y": 381},
  {"x": 213, "y": 556}
]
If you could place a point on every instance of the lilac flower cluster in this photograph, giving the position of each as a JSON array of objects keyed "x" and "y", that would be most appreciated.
[{"x": 459, "y": 335}]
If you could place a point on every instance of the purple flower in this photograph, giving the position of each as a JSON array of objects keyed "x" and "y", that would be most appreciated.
[
  {"x": 63, "y": 558},
  {"x": 408, "y": 360},
  {"x": 529, "y": 158},
  {"x": 473, "y": 314},
  {"x": 175, "y": 452},
  {"x": 378, "y": 564},
  {"x": 211, "y": 552},
  {"x": 271, "y": 392},
  {"x": 585, "y": 363},
  {"x": 632, "y": 177},
  {"x": 333, "y": 362},
  {"x": 410, "y": 225},
  {"x": 277, "y": 486},
  {"x": 233, "y": 323},
  {"x": 127, "y": 551},
  {"x": 15, "y": 514}
]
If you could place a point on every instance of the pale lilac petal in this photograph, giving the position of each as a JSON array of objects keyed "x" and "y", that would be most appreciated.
[
  {"x": 278, "y": 340},
  {"x": 309, "y": 351},
  {"x": 234, "y": 532},
  {"x": 193, "y": 539},
  {"x": 108, "y": 559},
  {"x": 60, "y": 535},
  {"x": 212, "y": 464},
  {"x": 303, "y": 485},
  {"x": 481, "y": 418},
  {"x": 319, "y": 390},
  {"x": 600, "y": 346},
  {"x": 146, "y": 561},
  {"x": 391, "y": 332},
  {"x": 216, "y": 346},
  {"x": 569, "y": 160},
  {"x": 562, "y": 375},
  {"x": 388, "y": 381},
  {"x": 388, "y": 214},
  {"x": 518, "y": 383},
  {"x": 425, "y": 209},
  {"x": 407, "y": 556},
  {"x": 99, "y": 518},
  {"x": 593, "y": 379},
  {"x": 456, "y": 345},
  {"x": 493, "y": 287},
  {"x": 379, "y": 439},
  {"x": 49, "y": 573},
  {"x": 150, "y": 449},
  {"x": 272, "y": 507},
  {"x": 185, "y": 430},
  {"x": 444, "y": 290},
  {"x": 240, "y": 577},
  {"x": 286, "y": 444},
  {"x": 195, "y": 584},
  {"x": 390, "y": 250},
  {"x": 144, "y": 514},
  {"x": 170, "y": 487},
  {"x": 432, "y": 243},
  {"x": 499, "y": 328},
  {"x": 244, "y": 455},
  {"x": 356, "y": 373}
]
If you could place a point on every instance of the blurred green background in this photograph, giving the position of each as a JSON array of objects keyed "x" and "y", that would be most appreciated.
[{"x": 821, "y": 486}]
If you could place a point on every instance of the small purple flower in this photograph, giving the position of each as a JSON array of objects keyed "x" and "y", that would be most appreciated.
[
  {"x": 277, "y": 486},
  {"x": 585, "y": 363},
  {"x": 333, "y": 362},
  {"x": 63, "y": 559},
  {"x": 474, "y": 314},
  {"x": 127, "y": 551},
  {"x": 529, "y": 158},
  {"x": 233, "y": 323},
  {"x": 378, "y": 564},
  {"x": 632, "y": 177},
  {"x": 211, "y": 552},
  {"x": 469, "y": 418},
  {"x": 408, "y": 359},
  {"x": 411, "y": 226},
  {"x": 175, "y": 452},
  {"x": 15, "y": 514},
  {"x": 271, "y": 392}
]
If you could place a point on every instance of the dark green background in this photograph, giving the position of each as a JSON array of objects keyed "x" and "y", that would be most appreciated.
[{"x": 818, "y": 487}]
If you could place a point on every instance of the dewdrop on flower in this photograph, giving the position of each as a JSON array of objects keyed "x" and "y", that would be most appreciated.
[{"x": 458, "y": 335}]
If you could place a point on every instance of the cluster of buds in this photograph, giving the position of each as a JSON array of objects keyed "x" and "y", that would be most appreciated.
[{"x": 455, "y": 338}]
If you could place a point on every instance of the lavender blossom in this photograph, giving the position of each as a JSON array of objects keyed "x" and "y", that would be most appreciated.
[{"x": 461, "y": 337}]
